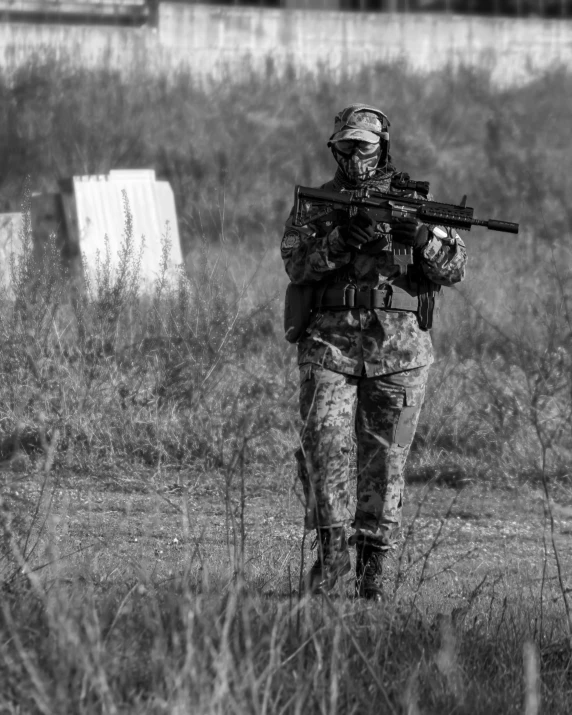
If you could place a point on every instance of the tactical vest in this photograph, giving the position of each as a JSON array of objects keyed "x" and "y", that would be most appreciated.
[{"x": 411, "y": 290}]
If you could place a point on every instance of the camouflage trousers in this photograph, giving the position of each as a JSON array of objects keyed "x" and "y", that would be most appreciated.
[{"x": 384, "y": 412}]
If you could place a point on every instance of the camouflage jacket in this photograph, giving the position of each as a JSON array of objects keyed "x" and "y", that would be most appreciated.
[{"x": 360, "y": 341}]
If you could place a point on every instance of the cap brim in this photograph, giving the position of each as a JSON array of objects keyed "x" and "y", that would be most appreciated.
[{"x": 361, "y": 135}]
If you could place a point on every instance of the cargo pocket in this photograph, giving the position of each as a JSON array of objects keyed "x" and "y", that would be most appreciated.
[{"x": 409, "y": 415}]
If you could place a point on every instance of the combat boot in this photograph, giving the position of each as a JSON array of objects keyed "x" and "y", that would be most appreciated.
[
  {"x": 333, "y": 561},
  {"x": 369, "y": 568}
]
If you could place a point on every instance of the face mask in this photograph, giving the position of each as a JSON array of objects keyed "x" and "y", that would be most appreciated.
[{"x": 358, "y": 160}]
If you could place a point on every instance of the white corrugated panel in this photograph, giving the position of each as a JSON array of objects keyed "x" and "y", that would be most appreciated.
[
  {"x": 100, "y": 212},
  {"x": 10, "y": 243}
]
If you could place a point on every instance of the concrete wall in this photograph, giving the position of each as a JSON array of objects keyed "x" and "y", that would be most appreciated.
[
  {"x": 209, "y": 35},
  {"x": 129, "y": 12},
  {"x": 213, "y": 39}
]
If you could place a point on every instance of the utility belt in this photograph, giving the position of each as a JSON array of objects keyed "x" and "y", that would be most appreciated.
[
  {"x": 346, "y": 296},
  {"x": 302, "y": 301}
]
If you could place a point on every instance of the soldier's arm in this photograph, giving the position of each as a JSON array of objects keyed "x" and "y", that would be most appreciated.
[
  {"x": 444, "y": 256},
  {"x": 310, "y": 253}
]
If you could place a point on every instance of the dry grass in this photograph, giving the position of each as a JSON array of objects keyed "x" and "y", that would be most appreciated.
[
  {"x": 150, "y": 519},
  {"x": 148, "y": 602}
]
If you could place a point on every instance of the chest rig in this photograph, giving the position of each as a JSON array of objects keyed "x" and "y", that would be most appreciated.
[{"x": 408, "y": 289}]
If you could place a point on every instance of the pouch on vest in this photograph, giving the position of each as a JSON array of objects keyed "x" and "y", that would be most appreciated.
[
  {"x": 427, "y": 303},
  {"x": 298, "y": 306},
  {"x": 417, "y": 284}
]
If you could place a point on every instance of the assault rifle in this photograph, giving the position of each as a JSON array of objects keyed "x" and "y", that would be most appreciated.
[{"x": 313, "y": 204}]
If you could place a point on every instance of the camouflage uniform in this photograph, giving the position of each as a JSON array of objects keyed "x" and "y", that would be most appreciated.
[{"x": 362, "y": 369}]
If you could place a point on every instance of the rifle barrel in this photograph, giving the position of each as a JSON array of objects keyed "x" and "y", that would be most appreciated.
[{"x": 494, "y": 225}]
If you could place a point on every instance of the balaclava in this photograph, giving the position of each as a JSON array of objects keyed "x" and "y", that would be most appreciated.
[{"x": 360, "y": 143}]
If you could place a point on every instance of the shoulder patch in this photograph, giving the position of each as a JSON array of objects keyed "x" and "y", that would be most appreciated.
[{"x": 290, "y": 240}]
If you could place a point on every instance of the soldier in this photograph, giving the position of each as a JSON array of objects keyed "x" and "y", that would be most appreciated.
[{"x": 362, "y": 368}]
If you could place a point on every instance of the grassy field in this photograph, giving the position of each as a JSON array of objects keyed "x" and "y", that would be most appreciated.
[{"x": 151, "y": 541}]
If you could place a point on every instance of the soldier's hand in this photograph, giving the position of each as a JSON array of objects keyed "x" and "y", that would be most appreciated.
[
  {"x": 359, "y": 230},
  {"x": 409, "y": 232}
]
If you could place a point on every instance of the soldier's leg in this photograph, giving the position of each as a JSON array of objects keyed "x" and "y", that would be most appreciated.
[
  {"x": 387, "y": 413},
  {"x": 326, "y": 408},
  {"x": 326, "y": 400}
]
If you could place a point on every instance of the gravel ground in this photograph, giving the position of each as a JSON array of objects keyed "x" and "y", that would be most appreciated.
[{"x": 114, "y": 527}]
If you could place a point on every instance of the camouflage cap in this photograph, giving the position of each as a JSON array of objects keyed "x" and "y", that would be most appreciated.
[{"x": 362, "y": 123}]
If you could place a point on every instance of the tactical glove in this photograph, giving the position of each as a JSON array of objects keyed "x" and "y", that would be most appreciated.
[
  {"x": 409, "y": 232},
  {"x": 359, "y": 231}
]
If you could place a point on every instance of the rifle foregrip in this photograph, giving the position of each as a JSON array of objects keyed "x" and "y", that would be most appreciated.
[{"x": 505, "y": 226}]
